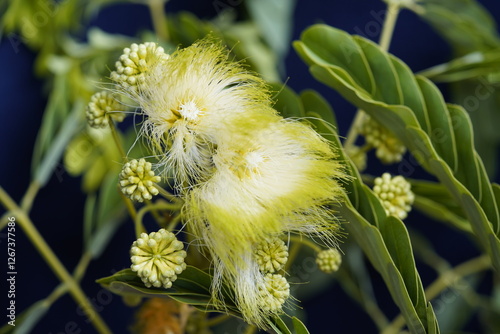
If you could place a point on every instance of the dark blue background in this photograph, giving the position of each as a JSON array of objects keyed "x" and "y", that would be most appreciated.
[{"x": 58, "y": 207}]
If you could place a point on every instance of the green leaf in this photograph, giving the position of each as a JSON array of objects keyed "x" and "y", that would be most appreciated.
[
  {"x": 103, "y": 215},
  {"x": 191, "y": 287},
  {"x": 473, "y": 65},
  {"x": 397, "y": 241},
  {"x": 286, "y": 101},
  {"x": 53, "y": 153},
  {"x": 299, "y": 327},
  {"x": 436, "y": 139},
  {"x": 279, "y": 326},
  {"x": 440, "y": 212},
  {"x": 317, "y": 108},
  {"x": 466, "y": 24},
  {"x": 274, "y": 19},
  {"x": 28, "y": 319}
]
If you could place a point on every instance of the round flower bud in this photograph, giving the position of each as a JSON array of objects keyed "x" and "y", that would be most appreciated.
[
  {"x": 134, "y": 62},
  {"x": 273, "y": 293},
  {"x": 395, "y": 194},
  {"x": 271, "y": 255},
  {"x": 389, "y": 149},
  {"x": 137, "y": 180},
  {"x": 158, "y": 258},
  {"x": 103, "y": 106},
  {"x": 329, "y": 260}
]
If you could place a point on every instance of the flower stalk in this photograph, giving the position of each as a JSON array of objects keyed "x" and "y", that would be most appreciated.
[{"x": 53, "y": 261}]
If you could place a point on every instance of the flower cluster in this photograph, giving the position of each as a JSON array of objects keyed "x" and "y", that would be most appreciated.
[
  {"x": 389, "y": 148},
  {"x": 395, "y": 193},
  {"x": 246, "y": 175},
  {"x": 329, "y": 260},
  {"x": 158, "y": 258},
  {"x": 103, "y": 106},
  {"x": 137, "y": 180},
  {"x": 135, "y": 62}
]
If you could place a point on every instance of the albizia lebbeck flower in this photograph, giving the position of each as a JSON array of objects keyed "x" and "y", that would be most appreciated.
[
  {"x": 246, "y": 174},
  {"x": 189, "y": 98},
  {"x": 277, "y": 180}
]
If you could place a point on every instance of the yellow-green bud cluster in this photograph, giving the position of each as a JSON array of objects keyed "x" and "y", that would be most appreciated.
[
  {"x": 329, "y": 260},
  {"x": 158, "y": 258},
  {"x": 395, "y": 194},
  {"x": 137, "y": 180},
  {"x": 273, "y": 292},
  {"x": 135, "y": 62},
  {"x": 103, "y": 106},
  {"x": 271, "y": 255},
  {"x": 389, "y": 149}
]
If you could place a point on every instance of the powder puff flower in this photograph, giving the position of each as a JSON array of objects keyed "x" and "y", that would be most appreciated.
[
  {"x": 276, "y": 180},
  {"x": 188, "y": 99}
]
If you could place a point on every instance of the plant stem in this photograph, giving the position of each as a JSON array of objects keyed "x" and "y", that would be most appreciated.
[
  {"x": 217, "y": 320},
  {"x": 29, "y": 196},
  {"x": 39, "y": 242},
  {"x": 128, "y": 203},
  {"x": 168, "y": 195},
  {"x": 157, "y": 10},
  {"x": 117, "y": 140},
  {"x": 384, "y": 42},
  {"x": 306, "y": 242},
  {"x": 26, "y": 202},
  {"x": 444, "y": 281},
  {"x": 389, "y": 23},
  {"x": 251, "y": 329}
]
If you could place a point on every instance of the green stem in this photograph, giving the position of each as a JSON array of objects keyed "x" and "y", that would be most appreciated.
[
  {"x": 139, "y": 227},
  {"x": 128, "y": 203},
  {"x": 157, "y": 10},
  {"x": 26, "y": 202},
  {"x": 444, "y": 281},
  {"x": 78, "y": 273},
  {"x": 389, "y": 24},
  {"x": 292, "y": 254},
  {"x": 306, "y": 242},
  {"x": 29, "y": 196},
  {"x": 384, "y": 42},
  {"x": 117, "y": 140},
  {"x": 251, "y": 329},
  {"x": 168, "y": 195},
  {"x": 218, "y": 320},
  {"x": 39, "y": 242}
]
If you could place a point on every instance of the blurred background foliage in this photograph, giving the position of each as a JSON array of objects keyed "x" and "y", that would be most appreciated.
[{"x": 70, "y": 46}]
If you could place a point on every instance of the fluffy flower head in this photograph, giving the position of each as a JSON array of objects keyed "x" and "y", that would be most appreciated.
[
  {"x": 268, "y": 181},
  {"x": 189, "y": 100}
]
